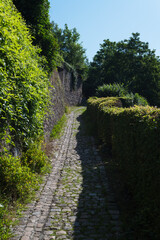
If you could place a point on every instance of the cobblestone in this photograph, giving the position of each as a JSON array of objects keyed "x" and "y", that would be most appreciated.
[{"x": 75, "y": 201}]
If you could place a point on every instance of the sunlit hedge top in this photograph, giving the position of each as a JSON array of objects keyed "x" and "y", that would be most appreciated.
[
  {"x": 105, "y": 101},
  {"x": 23, "y": 82}
]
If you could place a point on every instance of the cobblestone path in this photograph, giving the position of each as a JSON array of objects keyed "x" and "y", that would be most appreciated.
[{"x": 75, "y": 202}]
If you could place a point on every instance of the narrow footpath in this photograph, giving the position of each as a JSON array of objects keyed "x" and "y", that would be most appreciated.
[{"x": 75, "y": 200}]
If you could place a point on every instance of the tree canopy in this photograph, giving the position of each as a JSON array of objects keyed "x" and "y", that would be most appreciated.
[
  {"x": 72, "y": 51},
  {"x": 130, "y": 62},
  {"x": 36, "y": 15}
]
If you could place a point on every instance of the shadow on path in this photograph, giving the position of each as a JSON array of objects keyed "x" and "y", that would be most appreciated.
[{"x": 94, "y": 220}]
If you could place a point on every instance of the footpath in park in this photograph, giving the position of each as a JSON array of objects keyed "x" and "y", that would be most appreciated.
[{"x": 75, "y": 201}]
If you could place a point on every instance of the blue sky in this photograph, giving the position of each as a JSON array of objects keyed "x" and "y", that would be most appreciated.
[{"x": 96, "y": 20}]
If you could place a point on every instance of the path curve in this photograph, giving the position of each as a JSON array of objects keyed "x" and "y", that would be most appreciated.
[{"x": 75, "y": 201}]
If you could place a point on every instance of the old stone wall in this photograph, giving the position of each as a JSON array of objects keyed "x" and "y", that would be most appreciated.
[
  {"x": 63, "y": 93},
  {"x": 72, "y": 90}
]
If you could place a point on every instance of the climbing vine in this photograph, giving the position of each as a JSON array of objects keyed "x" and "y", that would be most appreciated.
[{"x": 23, "y": 82}]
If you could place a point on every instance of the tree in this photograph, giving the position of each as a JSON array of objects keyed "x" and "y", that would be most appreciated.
[
  {"x": 130, "y": 62},
  {"x": 72, "y": 51},
  {"x": 36, "y": 15},
  {"x": 97, "y": 68}
]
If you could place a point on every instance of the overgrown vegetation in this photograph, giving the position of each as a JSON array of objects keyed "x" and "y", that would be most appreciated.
[
  {"x": 57, "y": 129},
  {"x": 5, "y": 222},
  {"x": 17, "y": 180},
  {"x": 23, "y": 102},
  {"x": 129, "y": 62},
  {"x": 131, "y": 134},
  {"x": 23, "y": 82},
  {"x": 19, "y": 183},
  {"x": 35, "y": 157}
]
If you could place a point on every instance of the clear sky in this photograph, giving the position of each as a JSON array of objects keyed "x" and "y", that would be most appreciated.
[{"x": 96, "y": 20}]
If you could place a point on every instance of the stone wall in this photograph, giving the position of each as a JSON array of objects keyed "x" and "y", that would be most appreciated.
[
  {"x": 73, "y": 92},
  {"x": 63, "y": 93}
]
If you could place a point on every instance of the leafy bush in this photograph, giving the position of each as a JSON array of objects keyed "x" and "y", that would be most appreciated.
[
  {"x": 104, "y": 101},
  {"x": 132, "y": 134},
  {"x": 139, "y": 100},
  {"x": 23, "y": 82},
  {"x": 111, "y": 90},
  {"x": 5, "y": 223},
  {"x": 17, "y": 181},
  {"x": 35, "y": 158},
  {"x": 118, "y": 90}
]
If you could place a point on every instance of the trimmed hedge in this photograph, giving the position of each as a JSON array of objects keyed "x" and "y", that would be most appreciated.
[
  {"x": 133, "y": 134},
  {"x": 95, "y": 108}
]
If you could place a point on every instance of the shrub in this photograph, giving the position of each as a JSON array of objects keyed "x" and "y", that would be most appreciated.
[
  {"x": 139, "y": 100},
  {"x": 5, "y": 223},
  {"x": 117, "y": 90},
  {"x": 17, "y": 181},
  {"x": 35, "y": 158},
  {"x": 111, "y": 90}
]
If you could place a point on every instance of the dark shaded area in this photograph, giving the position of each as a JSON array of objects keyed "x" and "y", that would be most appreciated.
[
  {"x": 93, "y": 220},
  {"x": 136, "y": 225}
]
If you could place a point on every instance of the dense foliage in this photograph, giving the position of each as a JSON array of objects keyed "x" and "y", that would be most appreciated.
[
  {"x": 55, "y": 43},
  {"x": 36, "y": 15},
  {"x": 23, "y": 82},
  {"x": 72, "y": 51},
  {"x": 111, "y": 90},
  {"x": 16, "y": 180},
  {"x": 130, "y": 62},
  {"x": 118, "y": 90},
  {"x": 132, "y": 135}
]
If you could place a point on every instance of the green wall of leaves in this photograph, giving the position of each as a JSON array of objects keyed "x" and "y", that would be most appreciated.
[{"x": 23, "y": 82}]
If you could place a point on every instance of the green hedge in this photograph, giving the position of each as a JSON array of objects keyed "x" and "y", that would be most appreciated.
[
  {"x": 95, "y": 108},
  {"x": 118, "y": 90},
  {"x": 133, "y": 134}
]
